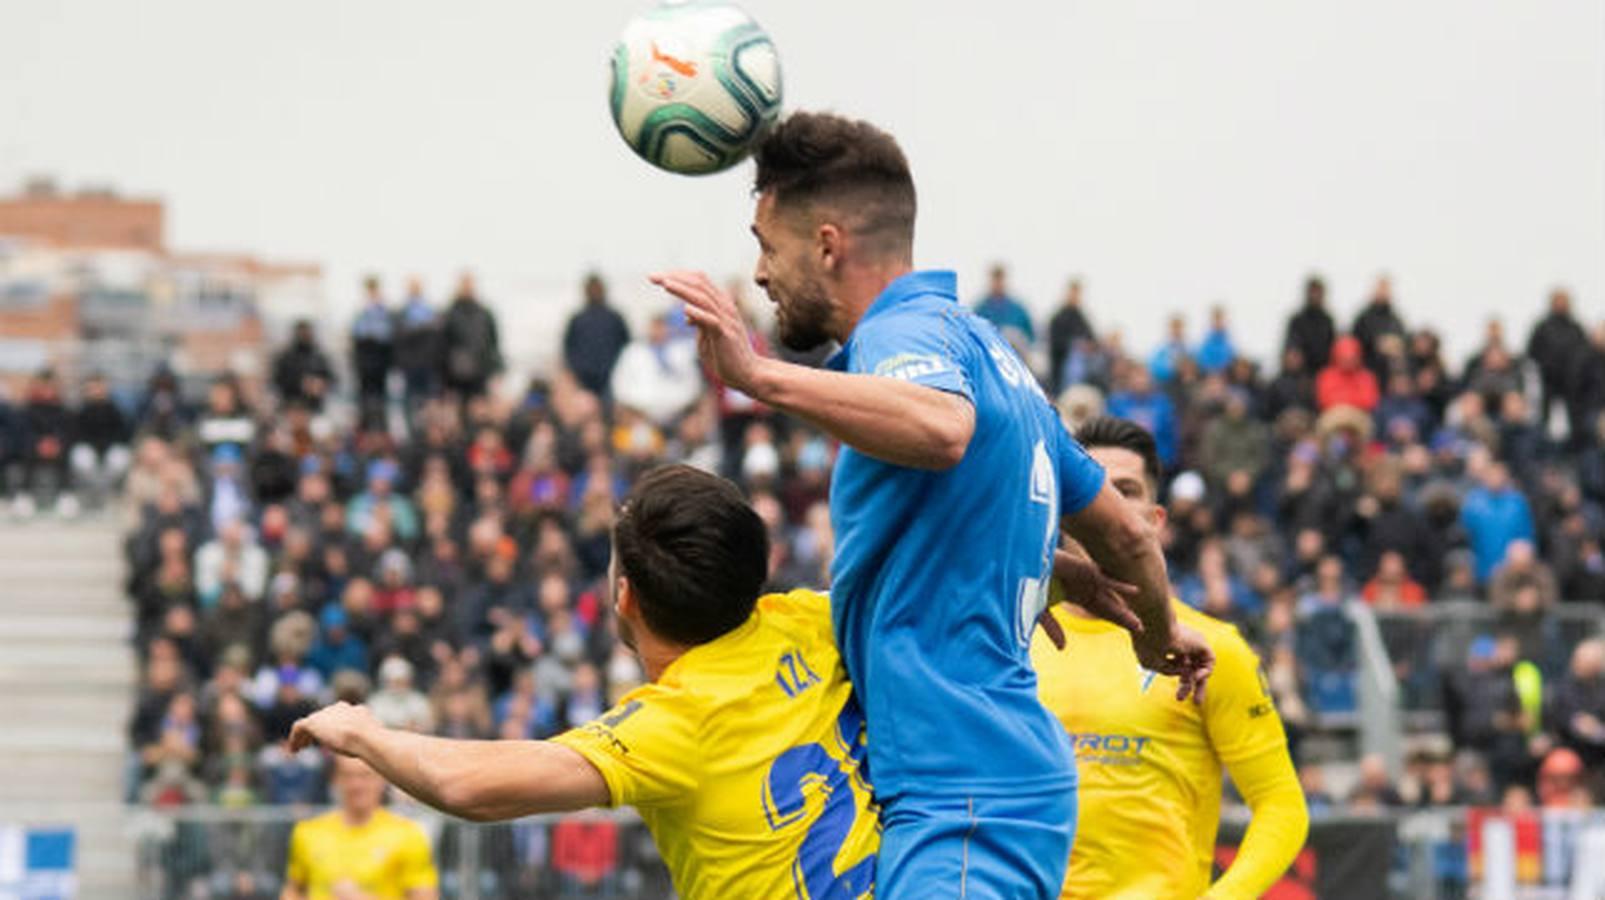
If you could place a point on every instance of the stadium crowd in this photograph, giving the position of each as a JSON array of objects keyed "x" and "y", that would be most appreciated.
[{"x": 438, "y": 548}]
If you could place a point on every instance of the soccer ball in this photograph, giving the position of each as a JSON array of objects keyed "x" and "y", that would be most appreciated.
[{"x": 694, "y": 84}]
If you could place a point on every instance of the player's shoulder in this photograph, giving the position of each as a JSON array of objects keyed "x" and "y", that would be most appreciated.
[
  {"x": 800, "y": 606},
  {"x": 317, "y": 825},
  {"x": 391, "y": 820}
]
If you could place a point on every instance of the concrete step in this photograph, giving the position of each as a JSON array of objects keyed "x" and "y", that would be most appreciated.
[
  {"x": 18, "y": 625},
  {"x": 22, "y": 572},
  {"x": 96, "y": 708},
  {"x": 108, "y": 670}
]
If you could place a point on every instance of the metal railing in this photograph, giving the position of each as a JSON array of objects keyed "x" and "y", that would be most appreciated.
[{"x": 218, "y": 852}]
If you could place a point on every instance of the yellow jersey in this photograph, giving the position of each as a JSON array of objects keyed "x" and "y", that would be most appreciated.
[
  {"x": 1150, "y": 766},
  {"x": 745, "y": 760},
  {"x": 386, "y": 857}
]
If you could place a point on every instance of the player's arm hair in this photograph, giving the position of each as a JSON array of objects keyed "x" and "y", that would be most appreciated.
[
  {"x": 484, "y": 781},
  {"x": 1126, "y": 547},
  {"x": 1275, "y": 834},
  {"x": 894, "y": 421}
]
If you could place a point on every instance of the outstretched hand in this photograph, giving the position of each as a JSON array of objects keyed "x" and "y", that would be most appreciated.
[
  {"x": 336, "y": 728},
  {"x": 1187, "y": 657},
  {"x": 722, "y": 338},
  {"x": 1087, "y": 586}
]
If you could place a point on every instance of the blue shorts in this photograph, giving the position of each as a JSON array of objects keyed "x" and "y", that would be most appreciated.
[{"x": 975, "y": 848}]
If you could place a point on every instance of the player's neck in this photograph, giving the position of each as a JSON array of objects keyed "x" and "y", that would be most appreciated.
[
  {"x": 656, "y": 654},
  {"x": 860, "y": 286},
  {"x": 357, "y": 819}
]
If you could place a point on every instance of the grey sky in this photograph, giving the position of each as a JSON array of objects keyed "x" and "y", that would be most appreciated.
[{"x": 1173, "y": 153}]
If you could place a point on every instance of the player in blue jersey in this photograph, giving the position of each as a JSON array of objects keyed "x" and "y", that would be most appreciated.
[{"x": 947, "y": 501}]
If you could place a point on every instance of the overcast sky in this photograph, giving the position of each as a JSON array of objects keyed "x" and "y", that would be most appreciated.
[{"x": 1173, "y": 154}]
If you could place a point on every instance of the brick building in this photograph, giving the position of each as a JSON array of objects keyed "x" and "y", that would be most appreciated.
[{"x": 87, "y": 282}]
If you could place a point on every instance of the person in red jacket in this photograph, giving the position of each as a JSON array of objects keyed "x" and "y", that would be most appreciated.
[{"x": 1346, "y": 381}]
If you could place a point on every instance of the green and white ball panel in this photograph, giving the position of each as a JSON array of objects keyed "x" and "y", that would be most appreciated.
[{"x": 693, "y": 86}]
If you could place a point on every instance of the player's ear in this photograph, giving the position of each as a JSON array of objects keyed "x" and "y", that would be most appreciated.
[
  {"x": 623, "y": 598},
  {"x": 829, "y": 243},
  {"x": 1160, "y": 515}
]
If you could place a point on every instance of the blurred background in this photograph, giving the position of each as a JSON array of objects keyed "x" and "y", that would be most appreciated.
[{"x": 1348, "y": 264}]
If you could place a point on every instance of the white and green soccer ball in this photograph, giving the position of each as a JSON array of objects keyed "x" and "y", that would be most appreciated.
[{"x": 694, "y": 84}]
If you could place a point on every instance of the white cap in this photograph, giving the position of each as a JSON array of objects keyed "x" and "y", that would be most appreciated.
[{"x": 1187, "y": 486}]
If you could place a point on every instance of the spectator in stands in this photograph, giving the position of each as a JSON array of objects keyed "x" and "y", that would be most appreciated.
[
  {"x": 1374, "y": 791},
  {"x": 1293, "y": 388},
  {"x": 48, "y": 429},
  {"x": 1484, "y": 710},
  {"x": 1235, "y": 444},
  {"x": 417, "y": 348},
  {"x": 1562, "y": 783},
  {"x": 100, "y": 434},
  {"x": 1495, "y": 373},
  {"x": 302, "y": 373},
  {"x": 1004, "y": 311},
  {"x": 381, "y": 501},
  {"x": 1495, "y": 514},
  {"x": 1167, "y": 360},
  {"x": 1522, "y": 569},
  {"x": 1216, "y": 352},
  {"x": 1392, "y": 588},
  {"x": 1327, "y": 644},
  {"x": 471, "y": 350},
  {"x": 1576, "y": 704},
  {"x": 336, "y": 648},
  {"x": 397, "y": 703},
  {"x": 1586, "y": 399},
  {"x": 1069, "y": 331},
  {"x": 1555, "y": 342},
  {"x": 1151, "y": 409},
  {"x": 1310, "y": 331},
  {"x": 594, "y": 338},
  {"x": 373, "y": 353},
  {"x": 1346, "y": 381},
  {"x": 233, "y": 556},
  {"x": 1376, "y": 322},
  {"x": 658, "y": 377}
]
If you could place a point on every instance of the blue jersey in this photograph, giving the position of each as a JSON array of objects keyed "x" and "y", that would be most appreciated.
[{"x": 939, "y": 575}]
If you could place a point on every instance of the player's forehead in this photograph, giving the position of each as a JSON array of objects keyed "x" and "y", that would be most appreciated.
[{"x": 1119, "y": 463}]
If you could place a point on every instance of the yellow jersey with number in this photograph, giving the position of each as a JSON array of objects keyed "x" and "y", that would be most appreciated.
[
  {"x": 385, "y": 857},
  {"x": 1150, "y": 765},
  {"x": 745, "y": 760}
]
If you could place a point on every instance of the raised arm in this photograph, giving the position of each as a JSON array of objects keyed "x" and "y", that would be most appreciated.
[
  {"x": 480, "y": 781},
  {"x": 892, "y": 420}
]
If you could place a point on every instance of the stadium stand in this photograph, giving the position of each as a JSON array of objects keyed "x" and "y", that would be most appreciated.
[{"x": 1414, "y": 546}]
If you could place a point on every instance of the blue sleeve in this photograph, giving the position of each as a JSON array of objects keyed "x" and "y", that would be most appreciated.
[
  {"x": 918, "y": 347},
  {"x": 1080, "y": 476}
]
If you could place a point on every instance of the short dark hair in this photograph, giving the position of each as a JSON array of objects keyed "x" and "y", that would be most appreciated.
[
  {"x": 819, "y": 158},
  {"x": 695, "y": 552},
  {"x": 1110, "y": 431}
]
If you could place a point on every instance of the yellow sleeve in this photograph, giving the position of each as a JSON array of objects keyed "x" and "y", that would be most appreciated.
[
  {"x": 1276, "y": 832},
  {"x": 645, "y": 747},
  {"x": 295, "y": 871},
  {"x": 1238, "y": 711},
  {"x": 417, "y": 863}
]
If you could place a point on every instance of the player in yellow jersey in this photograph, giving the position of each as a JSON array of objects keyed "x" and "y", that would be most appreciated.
[
  {"x": 744, "y": 751},
  {"x": 360, "y": 849},
  {"x": 1150, "y": 765}
]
